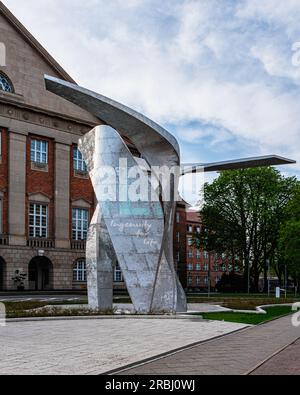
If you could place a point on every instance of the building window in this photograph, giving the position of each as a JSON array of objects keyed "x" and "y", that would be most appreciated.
[
  {"x": 224, "y": 269},
  {"x": 206, "y": 280},
  {"x": 190, "y": 229},
  {"x": 178, "y": 257},
  {"x": 38, "y": 221},
  {"x": 79, "y": 163},
  {"x": 190, "y": 241},
  {"x": 80, "y": 219},
  {"x": 216, "y": 266},
  {"x": 178, "y": 237},
  {"x": 190, "y": 254},
  {"x": 5, "y": 84},
  {"x": 198, "y": 229},
  {"x": 198, "y": 267},
  {"x": 39, "y": 152},
  {"x": 178, "y": 218},
  {"x": 206, "y": 267},
  {"x": 118, "y": 276},
  {"x": 206, "y": 255},
  {"x": 198, "y": 280},
  {"x": 198, "y": 255},
  {"x": 79, "y": 271},
  {"x": 190, "y": 267},
  {"x": 190, "y": 280}
]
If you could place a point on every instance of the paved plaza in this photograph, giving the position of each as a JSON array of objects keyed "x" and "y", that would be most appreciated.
[
  {"x": 95, "y": 346},
  {"x": 239, "y": 353}
]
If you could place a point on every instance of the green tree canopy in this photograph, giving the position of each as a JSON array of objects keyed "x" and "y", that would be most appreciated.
[
  {"x": 242, "y": 216},
  {"x": 290, "y": 237}
]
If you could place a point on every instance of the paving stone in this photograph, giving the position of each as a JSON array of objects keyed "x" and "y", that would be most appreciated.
[{"x": 97, "y": 346}]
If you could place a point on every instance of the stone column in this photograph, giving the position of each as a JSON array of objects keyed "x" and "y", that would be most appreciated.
[
  {"x": 62, "y": 195},
  {"x": 17, "y": 189}
]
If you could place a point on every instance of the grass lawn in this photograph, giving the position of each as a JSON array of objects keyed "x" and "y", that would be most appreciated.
[
  {"x": 241, "y": 302},
  {"x": 248, "y": 318}
]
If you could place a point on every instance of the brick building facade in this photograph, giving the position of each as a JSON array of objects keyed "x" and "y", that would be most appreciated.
[
  {"x": 46, "y": 197},
  {"x": 203, "y": 269}
]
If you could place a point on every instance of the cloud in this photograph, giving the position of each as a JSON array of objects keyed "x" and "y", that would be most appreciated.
[{"x": 223, "y": 67}]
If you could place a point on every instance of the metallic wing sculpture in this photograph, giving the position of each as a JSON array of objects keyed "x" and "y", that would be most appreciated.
[{"x": 138, "y": 234}]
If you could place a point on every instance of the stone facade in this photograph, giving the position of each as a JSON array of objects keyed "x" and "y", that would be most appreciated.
[{"x": 30, "y": 112}]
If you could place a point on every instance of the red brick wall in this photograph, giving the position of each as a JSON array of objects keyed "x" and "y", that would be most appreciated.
[
  {"x": 4, "y": 178},
  {"x": 194, "y": 221},
  {"x": 180, "y": 246},
  {"x": 80, "y": 188},
  {"x": 41, "y": 182}
]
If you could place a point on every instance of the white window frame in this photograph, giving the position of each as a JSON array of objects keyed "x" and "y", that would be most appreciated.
[
  {"x": 78, "y": 161},
  {"x": 39, "y": 151},
  {"x": 190, "y": 241},
  {"x": 37, "y": 230},
  {"x": 79, "y": 271},
  {"x": 198, "y": 267},
  {"x": 190, "y": 267},
  {"x": 80, "y": 223}
]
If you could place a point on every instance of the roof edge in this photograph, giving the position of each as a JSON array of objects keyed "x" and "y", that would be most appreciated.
[{"x": 34, "y": 43}]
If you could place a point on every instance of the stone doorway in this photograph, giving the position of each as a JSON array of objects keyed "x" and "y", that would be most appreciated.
[{"x": 40, "y": 274}]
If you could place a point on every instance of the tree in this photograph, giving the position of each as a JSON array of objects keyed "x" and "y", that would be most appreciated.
[
  {"x": 290, "y": 238},
  {"x": 242, "y": 216}
]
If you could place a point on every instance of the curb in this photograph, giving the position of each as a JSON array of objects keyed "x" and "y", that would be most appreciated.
[{"x": 104, "y": 317}]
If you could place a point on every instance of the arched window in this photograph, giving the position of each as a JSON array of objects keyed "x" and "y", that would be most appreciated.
[
  {"x": 79, "y": 271},
  {"x": 5, "y": 84}
]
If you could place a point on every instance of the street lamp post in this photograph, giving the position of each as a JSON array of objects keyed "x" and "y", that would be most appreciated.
[
  {"x": 248, "y": 277},
  {"x": 269, "y": 288},
  {"x": 286, "y": 280}
]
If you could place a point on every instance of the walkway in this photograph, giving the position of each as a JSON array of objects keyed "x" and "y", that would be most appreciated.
[{"x": 237, "y": 353}]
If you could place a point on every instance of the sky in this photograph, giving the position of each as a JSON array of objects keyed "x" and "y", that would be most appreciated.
[{"x": 222, "y": 75}]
